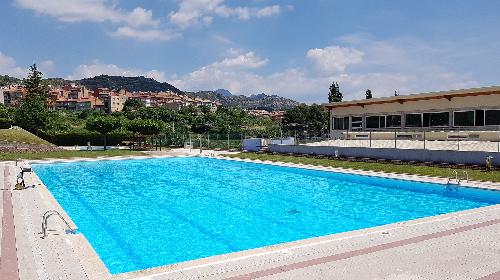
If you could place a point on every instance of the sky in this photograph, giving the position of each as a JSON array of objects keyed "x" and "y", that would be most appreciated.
[{"x": 292, "y": 48}]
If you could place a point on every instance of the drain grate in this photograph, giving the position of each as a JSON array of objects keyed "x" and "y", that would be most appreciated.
[{"x": 293, "y": 211}]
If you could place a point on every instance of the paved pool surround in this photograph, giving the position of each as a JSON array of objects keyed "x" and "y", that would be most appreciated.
[{"x": 460, "y": 245}]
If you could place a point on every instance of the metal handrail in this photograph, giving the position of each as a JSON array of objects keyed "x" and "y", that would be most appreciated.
[
  {"x": 454, "y": 175},
  {"x": 451, "y": 176},
  {"x": 45, "y": 219},
  {"x": 466, "y": 174}
]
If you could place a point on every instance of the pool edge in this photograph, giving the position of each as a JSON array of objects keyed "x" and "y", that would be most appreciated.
[{"x": 213, "y": 260}]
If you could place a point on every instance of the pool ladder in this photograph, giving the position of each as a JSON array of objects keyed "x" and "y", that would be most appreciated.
[
  {"x": 454, "y": 176},
  {"x": 45, "y": 219}
]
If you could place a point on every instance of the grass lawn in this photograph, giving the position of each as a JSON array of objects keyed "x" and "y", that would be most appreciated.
[
  {"x": 477, "y": 175},
  {"x": 20, "y": 136},
  {"x": 68, "y": 154}
]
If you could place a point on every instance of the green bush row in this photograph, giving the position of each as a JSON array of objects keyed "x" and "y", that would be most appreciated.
[
  {"x": 5, "y": 123},
  {"x": 81, "y": 138}
]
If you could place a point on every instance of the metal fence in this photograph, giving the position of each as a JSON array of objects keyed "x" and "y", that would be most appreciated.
[
  {"x": 205, "y": 141},
  {"x": 458, "y": 140}
]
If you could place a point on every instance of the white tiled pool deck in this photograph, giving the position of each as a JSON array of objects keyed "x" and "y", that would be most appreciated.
[{"x": 461, "y": 245}]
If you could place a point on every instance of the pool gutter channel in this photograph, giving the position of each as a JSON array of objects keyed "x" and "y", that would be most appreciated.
[{"x": 95, "y": 268}]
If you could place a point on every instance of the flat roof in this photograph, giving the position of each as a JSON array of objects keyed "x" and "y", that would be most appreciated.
[{"x": 418, "y": 97}]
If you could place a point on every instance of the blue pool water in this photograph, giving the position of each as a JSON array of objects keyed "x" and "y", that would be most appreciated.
[{"x": 139, "y": 214}]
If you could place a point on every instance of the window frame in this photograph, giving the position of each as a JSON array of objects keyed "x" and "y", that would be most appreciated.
[
  {"x": 379, "y": 121},
  {"x": 400, "y": 121},
  {"x": 430, "y": 115},
  {"x": 485, "y": 117},
  {"x": 343, "y": 123},
  {"x": 357, "y": 122},
  {"x": 464, "y": 111},
  {"x": 421, "y": 120}
]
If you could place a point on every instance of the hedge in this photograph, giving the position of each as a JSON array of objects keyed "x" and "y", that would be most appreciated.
[
  {"x": 5, "y": 123},
  {"x": 81, "y": 138}
]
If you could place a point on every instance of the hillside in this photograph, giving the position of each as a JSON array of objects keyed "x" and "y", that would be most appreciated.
[
  {"x": 129, "y": 83},
  {"x": 6, "y": 80},
  {"x": 20, "y": 136},
  {"x": 260, "y": 101},
  {"x": 112, "y": 82}
]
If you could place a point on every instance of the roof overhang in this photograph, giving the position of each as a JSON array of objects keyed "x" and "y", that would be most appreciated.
[{"x": 449, "y": 95}]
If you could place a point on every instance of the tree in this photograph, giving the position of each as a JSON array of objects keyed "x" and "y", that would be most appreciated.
[
  {"x": 103, "y": 125},
  {"x": 145, "y": 127},
  {"x": 368, "y": 94},
  {"x": 313, "y": 119},
  {"x": 335, "y": 95},
  {"x": 33, "y": 114},
  {"x": 133, "y": 105}
]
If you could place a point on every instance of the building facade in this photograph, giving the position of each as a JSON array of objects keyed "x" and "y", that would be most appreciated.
[
  {"x": 116, "y": 103},
  {"x": 473, "y": 109}
]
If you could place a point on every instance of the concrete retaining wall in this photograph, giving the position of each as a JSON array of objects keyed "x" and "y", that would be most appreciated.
[{"x": 464, "y": 157}]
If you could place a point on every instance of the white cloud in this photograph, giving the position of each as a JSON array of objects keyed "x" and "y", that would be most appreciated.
[
  {"x": 89, "y": 11},
  {"x": 240, "y": 61},
  {"x": 334, "y": 59},
  {"x": 141, "y": 17},
  {"x": 406, "y": 65},
  {"x": 46, "y": 66},
  {"x": 101, "y": 11},
  {"x": 144, "y": 34},
  {"x": 245, "y": 13},
  {"x": 97, "y": 68},
  {"x": 8, "y": 66},
  {"x": 201, "y": 12}
]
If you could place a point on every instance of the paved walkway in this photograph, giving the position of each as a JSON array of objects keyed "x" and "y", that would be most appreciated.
[
  {"x": 8, "y": 255},
  {"x": 60, "y": 255}
]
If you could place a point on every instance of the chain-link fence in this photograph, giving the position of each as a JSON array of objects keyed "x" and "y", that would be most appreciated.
[{"x": 206, "y": 141}]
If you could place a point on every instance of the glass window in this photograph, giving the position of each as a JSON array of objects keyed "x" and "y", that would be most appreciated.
[
  {"x": 393, "y": 120},
  {"x": 382, "y": 121},
  {"x": 426, "y": 119},
  {"x": 356, "y": 123},
  {"x": 492, "y": 117},
  {"x": 413, "y": 120},
  {"x": 465, "y": 118},
  {"x": 338, "y": 123},
  {"x": 479, "y": 117},
  {"x": 373, "y": 122},
  {"x": 439, "y": 119},
  {"x": 341, "y": 123},
  {"x": 346, "y": 122}
]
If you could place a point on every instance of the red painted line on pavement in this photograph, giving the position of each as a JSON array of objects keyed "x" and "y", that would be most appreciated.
[
  {"x": 8, "y": 258},
  {"x": 494, "y": 276},
  {"x": 364, "y": 251}
]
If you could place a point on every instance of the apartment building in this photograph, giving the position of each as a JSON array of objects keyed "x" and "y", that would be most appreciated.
[{"x": 12, "y": 95}]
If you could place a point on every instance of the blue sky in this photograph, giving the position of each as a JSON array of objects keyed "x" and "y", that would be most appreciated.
[{"x": 293, "y": 48}]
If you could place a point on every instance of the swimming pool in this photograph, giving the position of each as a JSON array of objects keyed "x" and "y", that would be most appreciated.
[{"x": 145, "y": 213}]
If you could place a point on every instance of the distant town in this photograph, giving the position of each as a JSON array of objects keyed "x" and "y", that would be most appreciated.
[{"x": 73, "y": 97}]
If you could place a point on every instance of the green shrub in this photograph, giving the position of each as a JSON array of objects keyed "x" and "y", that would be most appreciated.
[
  {"x": 5, "y": 123},
  {"x": 80, "y": 137}
]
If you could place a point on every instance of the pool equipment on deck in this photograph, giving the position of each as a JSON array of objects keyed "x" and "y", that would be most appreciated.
[
  {"x": 489, "y": 163},
  {"x": 20, "y": 185}
]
